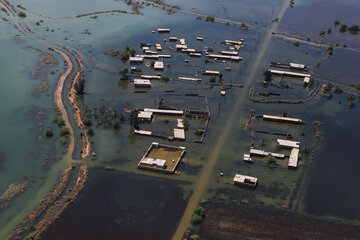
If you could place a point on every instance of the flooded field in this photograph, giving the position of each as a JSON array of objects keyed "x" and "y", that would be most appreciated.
[{"x": 118, "y": 202}]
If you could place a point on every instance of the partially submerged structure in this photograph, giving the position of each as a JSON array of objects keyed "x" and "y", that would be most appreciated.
[
  {"x": 145, "y": 116},
  {"x": 306, "y": 77},
  {"x": 294, "y": 154},
  {"x": 159, "y": 65},
  {"x": 293, "y": 66},
  {"x": 161, "y": 158},
  {"x": 209, "y": 72},
  {"x": 243, "y": 180},
  {"x": 136, "y": 60},
  {"x": 284, "y": 119},
  {"x": 145, "y": 83},
  {"x": 163, "y": 30}
]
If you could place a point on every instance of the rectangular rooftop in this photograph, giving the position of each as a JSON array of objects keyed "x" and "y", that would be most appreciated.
[
  {"x": 244, "y": 180},
  {"x": 288, "y": 143},
  {"x": 164, "y": 111},
  {"x": 161, "y": 158},
  {"x": 281, "y": 119},
  {"x": 293, "y": 158},
  {"x": 142, "y": 83}
]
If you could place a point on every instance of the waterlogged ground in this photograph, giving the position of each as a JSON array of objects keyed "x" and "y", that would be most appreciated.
[{"x": 121, "y": 197}]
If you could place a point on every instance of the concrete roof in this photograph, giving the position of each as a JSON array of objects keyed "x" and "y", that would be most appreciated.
[{"x": 179, "y": 133}]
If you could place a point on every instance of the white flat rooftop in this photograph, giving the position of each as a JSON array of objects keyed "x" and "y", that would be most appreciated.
[
  {"x": 181, "y": 46},
  {"x": 245, "y": 179},
  {"x": 142, "y": 82},
  {"x": 211, "y": 72},
  {"x": 293, "y": 159},
  {"x": 179, "y": 133},
  {"x": 258, "y": 152},
  {"x": 150, "y": 77},
  {"x": 158, "y": 65},
  {"x": 164, "y": 111},
  {"x": 143, "y": 132},
  {"x": 145, "y": 115},
  {"x": 288, "y": 143},
  {"x": 290, "y": 73},
  {"x": 163, "y": 30},
  {"x": 232, "y": 53},
  {"x": 280, "y": 118},
  {"x": 189, "y": 79},
  {"x": 136, "y": 59},
  {"x": 296, "y": 65},
  {"x": 156, "y": 162},
  {"x": 180, "y": 123}
]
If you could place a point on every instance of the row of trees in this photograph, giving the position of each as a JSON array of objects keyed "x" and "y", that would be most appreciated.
[{"x": 104, "y": 116}]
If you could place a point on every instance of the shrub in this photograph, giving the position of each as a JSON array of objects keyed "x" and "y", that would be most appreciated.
[
  {"x": 267, "y": 75},
  {"x": 200, "y": 211},
  {"x": 296, "y": 44},
  {"x": 196, "y": 219},
  {"x": 87, "y": 122},
  {"x": 194, "y": 237},
  {"x": 31, "y": 228},
  {"x": 198, "y": 132},
  {"x": 64, "y": 131},
  {"x": 22, "y": 14},
  {"x": 322, "y": 33},
  {"x": 79, "y": 86},
  {"x": 343, "y": 27},
  {"x": 116, "y": 123},
  {"x": 337, "y": 22},
  {"x": 49, "y": 133},
  {"x": 210, "y": 18},
  {"x": 90, "y": 131},
  {"x": 186, "y": 124},
  {"x": 59, "y": 121},
  {"x": 63, "y": 140},
  {"x": 165, "y": 78},
  {"x": 354, "y": 28},
  {"x": 212, "y": 79}
]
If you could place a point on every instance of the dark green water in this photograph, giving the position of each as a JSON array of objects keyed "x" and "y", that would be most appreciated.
[
  {"x": 122, "y": 205},
  {"x": 119, "y": 198}
]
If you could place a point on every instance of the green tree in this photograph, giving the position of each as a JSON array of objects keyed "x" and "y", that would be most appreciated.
[
  {"x": 49, "y": 132},
  {"x": 165, "y": 78},
  {"x": 220, "y": 76},
  {"x": 134, "y": 121},
  {"x": 90, "y": 131},
  {"x": 343, "y": 27},
  {"x": 79, "y": 86},
  {"x": 59, "y": 121},
  {"x": 87, "y": 122},
  {"x": 337, "y": 22},
  {"x": 64, "y": 131},
  {"x": 124, "y": 71},
  {"x": 267, "y": 75},
  {"x": 210, "y": 18},
  {"x": 116, "y": 123},
  {"x": 200, "y": 211},
  {"x": 354, "y": 28},
  {"x": 196, "y": 219},
  {"x": 22, "y": 14}
]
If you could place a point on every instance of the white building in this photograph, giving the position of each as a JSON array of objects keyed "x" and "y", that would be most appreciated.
[{"x": 142, "y": 83}]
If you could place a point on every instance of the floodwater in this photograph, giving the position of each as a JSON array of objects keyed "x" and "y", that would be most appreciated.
[
  {"x": 122, "y": 205},
  {"x": 332, "y": 189},
  {"x": 117, "y": 204}
]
